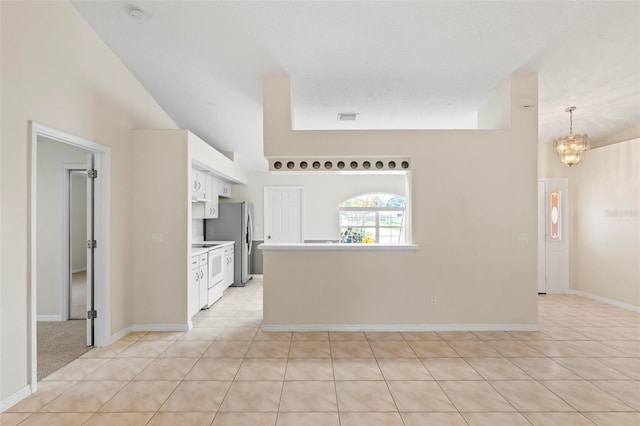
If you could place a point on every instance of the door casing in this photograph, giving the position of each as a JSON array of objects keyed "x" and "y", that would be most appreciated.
[{"x": 102, "y": 218}]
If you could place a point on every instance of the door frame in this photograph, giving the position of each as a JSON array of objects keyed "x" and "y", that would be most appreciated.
[
  {"x": 265, "y": 205},
  {"x": 65, "y": 285},
  {"x": 102, "y": 217}
]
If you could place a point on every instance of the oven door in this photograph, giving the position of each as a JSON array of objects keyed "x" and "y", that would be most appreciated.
[{"x": 216, "y": 259}]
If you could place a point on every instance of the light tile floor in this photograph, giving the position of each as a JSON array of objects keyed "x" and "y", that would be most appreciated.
[{"x": 582, "y": 368}]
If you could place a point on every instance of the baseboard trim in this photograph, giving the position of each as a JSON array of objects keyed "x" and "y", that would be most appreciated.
[
  {"x": 606, "y": 300},
  {"x": 119, "y": 335},
  {"x": 159, "y": 327},
  {"x": 400, "y": 327},
  {"x": 49, "y": 318},
  {"x": 14, "y": 398},
  {"x": 146, "y": 327}
]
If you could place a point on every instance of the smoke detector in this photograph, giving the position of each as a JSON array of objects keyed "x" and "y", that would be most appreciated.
[{"x": 138, "y": 15}]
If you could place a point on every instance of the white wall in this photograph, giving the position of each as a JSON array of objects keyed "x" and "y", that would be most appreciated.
[
  {"x": 52, "y": 156},
  {"x": 604, "y": 237},
  {"x": 469, "y": 204},
  {"x": 58, "y": 72},
  {"x": 162, "y": 205},
  {"x": 321, "y": 195}
]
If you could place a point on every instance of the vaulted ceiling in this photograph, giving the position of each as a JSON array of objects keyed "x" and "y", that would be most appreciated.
[{"x": 397, "y": 64}]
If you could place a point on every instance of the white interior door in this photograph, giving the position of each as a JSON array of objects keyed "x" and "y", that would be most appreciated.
[
  {"x": 91, "y": 247},
  {"x": 283, "y": 214},
  {"x": 555, "y": 236}
]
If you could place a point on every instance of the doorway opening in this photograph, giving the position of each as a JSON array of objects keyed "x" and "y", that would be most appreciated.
[
  {"x": 69, "y": 249},
  {"x": 77, "y": 253}
]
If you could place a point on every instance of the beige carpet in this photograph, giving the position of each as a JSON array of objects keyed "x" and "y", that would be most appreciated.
[
  {"x": 78, "y": 308},
  {"x": 59, "y": 343}
]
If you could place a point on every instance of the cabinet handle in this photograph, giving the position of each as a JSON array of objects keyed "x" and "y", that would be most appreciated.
[
  {"x": 201, "y": 274},
  {"x": 197, "y": 277}
]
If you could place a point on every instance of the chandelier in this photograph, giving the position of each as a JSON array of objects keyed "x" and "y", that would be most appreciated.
[{"x": 571, "y": 148}]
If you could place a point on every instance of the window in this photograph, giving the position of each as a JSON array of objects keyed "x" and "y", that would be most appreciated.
[{"x": 373, "y": 218}]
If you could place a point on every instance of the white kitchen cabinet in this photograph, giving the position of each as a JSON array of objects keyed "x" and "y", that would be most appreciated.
[
  {"x": 194, "y": 286},
  {"x": 203, "y": 284},
  {"x": 198, "y": 184},
  {"x": 211, "y": 194},
  {"x": 224, "y": 189},
  {"x": 229, "y": 266}
]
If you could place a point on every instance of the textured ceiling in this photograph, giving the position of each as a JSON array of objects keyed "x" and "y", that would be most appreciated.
[{"x": 397, "y": 64}]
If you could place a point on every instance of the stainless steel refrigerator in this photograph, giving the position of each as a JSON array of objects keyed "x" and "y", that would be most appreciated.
[{"x": 234, "y": 223}]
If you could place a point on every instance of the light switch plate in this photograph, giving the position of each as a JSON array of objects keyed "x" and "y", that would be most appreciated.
[
  {"x": 523, "y": 238},
  {"x": 156, "y": 237}
]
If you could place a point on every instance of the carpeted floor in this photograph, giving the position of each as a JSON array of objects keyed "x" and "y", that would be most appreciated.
[
  {"x": 78, "y": 295},
  {"x": 59, "y": 343}
]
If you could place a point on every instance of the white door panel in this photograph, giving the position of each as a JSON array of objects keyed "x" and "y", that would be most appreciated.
[
  {"x": 283, "y": 215},
  {"x": 91, "y": 251},
  {"x": 554, "y": 253}
]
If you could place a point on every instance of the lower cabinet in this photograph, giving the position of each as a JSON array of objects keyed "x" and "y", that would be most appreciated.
[
  {"x": 198, "y": 284},
  {"x": 194, "y": 287},
  {"x": 229, "y": 267}
]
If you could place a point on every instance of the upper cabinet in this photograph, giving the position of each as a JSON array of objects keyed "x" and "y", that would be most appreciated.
[
  {"x": 198, "y": 184},
  {"x": 211, "y": 205},
  {"x": 204, "y": 191},
  {"x": 224, "y": 189}
]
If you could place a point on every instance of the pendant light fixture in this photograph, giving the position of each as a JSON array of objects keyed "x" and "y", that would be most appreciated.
[{"x": 571, "y": 148}]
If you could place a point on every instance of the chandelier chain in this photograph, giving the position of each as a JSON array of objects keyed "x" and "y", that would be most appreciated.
[{"x": 570, "y": 123}]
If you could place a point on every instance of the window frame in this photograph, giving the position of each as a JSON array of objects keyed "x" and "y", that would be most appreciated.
[{"x": 376, "y": 210}]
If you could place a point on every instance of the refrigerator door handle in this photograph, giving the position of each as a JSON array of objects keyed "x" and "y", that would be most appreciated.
[{"x": 249, "y": 232}]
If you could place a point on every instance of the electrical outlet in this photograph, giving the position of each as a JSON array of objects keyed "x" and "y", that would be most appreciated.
[{"x": 434, "y": 300}]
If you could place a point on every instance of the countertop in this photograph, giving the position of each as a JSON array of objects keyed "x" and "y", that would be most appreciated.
[
  {"x": 339, "y": 247},
  {"x": 199, "y": 251}
]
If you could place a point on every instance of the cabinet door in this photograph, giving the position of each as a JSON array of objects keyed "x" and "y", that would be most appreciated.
[
  {"x": 203, "y": 286},
  {"x": 193, "y": 292},
  {"x": 224, "y": 189},
  {"x": 230, "y": 269},
  {"x": 198, "y": 184},
  {"x": 211, "y": 206}
]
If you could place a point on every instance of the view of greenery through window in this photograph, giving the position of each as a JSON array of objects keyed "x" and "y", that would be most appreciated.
[{"x": 373, "y": 218}]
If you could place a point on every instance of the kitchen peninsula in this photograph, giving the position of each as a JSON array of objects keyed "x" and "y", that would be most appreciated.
[{"x": 338, "y": 286}]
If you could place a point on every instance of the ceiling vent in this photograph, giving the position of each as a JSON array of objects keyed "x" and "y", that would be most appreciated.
[
  {"x": 347, "y": 116},
  {"x": 395, "y": 164}
]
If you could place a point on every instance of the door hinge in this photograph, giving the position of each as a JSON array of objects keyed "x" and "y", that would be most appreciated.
[
  {"x": 91, "y": 244},
  {"x": 92, "y": 173},
  {"x": 92, "y": 314}
]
